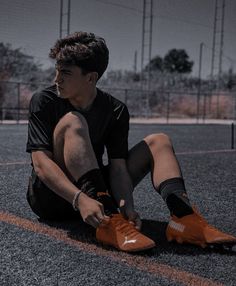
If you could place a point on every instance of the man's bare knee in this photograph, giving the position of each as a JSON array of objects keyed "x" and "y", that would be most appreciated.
[
  {"x": 73, "y": 122},
  {"x": 72, "y": 119},
  {"x": 158, "y": 141}
]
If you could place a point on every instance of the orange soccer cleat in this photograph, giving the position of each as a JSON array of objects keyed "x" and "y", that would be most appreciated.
[
  {"x": 120, "y": 233},
  {"x": 194, "y": 229}
]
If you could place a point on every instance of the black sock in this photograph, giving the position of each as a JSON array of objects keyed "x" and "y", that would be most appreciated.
[
  {"x": 108, "y": 203},
  {"x": 174, "y": 194},
  {"x": 93, "y": 185}
]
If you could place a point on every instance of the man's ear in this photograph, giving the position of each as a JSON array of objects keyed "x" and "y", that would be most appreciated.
[{"x": 93, "y": 77}]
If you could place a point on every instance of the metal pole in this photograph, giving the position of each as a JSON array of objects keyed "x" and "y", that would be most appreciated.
[
  {"x": 125, "y": 99},
  {"x": 214, "y": 41},
  {"x": 204, "y": 107},
  {"x": 61, "y": 16},
  {"x": 135, "y": 62},
  {"x": 168, "y": 107},
  {"x": 213, "y": 55},
  {"x": 235, "y": 106},
  {"x": 232, "y": 136},
  {"x": 150, "y": 43},
  {"x": 18, "y": 102},
  {"x": 143, "y": 32},
  {"x": 199, "y": 82},
  {"x": 68, "y": 18},
  {"x": 221, "y": 40},
  {"x": 220, "y": 58}
]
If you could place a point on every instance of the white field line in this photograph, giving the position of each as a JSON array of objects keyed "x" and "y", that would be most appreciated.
[
  {"x": 14, "y": 163},
  {"x": 201, "y": 152}
]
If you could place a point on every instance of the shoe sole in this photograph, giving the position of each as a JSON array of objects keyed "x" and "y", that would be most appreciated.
[
  {"x": 221, "y": 244},
  {"x": 133, "y": 250},
  {"x": 138, "y": 250}
]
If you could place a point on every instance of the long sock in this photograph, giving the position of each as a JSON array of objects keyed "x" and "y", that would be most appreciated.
[
  {"x": 174, "y": 194},
  {"x": 93, "y": 185}
]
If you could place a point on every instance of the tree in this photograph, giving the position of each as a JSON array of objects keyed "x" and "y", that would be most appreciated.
[
  {"x": 177, "y": 61},
  {"x": 156, "y": 64},
  {"x": 16, "y": 66}
]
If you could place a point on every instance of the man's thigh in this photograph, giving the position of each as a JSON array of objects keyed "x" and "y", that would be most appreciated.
[{"x": 47, "y": 204}]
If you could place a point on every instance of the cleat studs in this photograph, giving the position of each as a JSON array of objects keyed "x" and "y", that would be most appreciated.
[{"x": 203, "y": 245}]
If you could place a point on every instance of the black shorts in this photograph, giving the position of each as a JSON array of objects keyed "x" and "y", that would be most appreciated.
[{"x": 47, "y": 204}]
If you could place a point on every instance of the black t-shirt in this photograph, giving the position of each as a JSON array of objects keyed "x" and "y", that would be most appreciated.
[{"x": 107, "y": 119}]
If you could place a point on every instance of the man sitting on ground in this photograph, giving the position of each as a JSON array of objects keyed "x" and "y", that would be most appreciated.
[{"x": 70, "y": 124}]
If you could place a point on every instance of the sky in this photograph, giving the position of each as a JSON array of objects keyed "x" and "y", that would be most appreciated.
[{"x": 33, "y": 26}]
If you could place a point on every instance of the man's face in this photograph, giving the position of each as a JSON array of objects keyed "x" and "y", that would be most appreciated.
[{"x": 70, "y": 81}]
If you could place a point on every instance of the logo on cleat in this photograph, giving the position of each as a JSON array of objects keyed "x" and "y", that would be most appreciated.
[
  {"x": 177, "y": 226},
  {"x": 127, "y": 241}
]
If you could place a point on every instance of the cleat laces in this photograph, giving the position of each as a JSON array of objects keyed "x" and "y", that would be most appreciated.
[{"x": 125, "y": 227}]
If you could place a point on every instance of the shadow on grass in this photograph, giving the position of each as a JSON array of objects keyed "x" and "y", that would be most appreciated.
[{"x": 78, "y": 230}]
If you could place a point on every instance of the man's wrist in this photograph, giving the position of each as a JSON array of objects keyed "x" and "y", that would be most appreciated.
[{"x": 75, "y": 200}]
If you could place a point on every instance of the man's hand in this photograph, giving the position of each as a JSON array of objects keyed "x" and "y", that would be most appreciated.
[
  {"x": 91, "y": 210},
  {"x": 133, "y": 217}
]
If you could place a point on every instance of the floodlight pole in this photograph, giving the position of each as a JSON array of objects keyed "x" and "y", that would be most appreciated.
[
  {"x": 220, "y": 56},
  {"x": 64, "y": 22},
  {"x": 199, "y": 82},
  {"x": 147, "y": 23}
]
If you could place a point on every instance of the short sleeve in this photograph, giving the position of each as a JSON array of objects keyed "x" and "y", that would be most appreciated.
[
  {"x": 117, "y": 139},
  {"x": 40, "y": 126}
]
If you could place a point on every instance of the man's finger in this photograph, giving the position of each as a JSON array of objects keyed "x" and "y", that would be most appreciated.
[
  {"x": 93, "y": 221},
  {"x": 102, "y": 209},
  {"x": 138, "y": 224}
]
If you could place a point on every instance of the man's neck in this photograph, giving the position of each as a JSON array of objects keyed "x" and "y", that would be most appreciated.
[{"x": 84, "y": 101}]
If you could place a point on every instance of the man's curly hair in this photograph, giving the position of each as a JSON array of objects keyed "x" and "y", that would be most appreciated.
[{"x": 84, "y": 50}]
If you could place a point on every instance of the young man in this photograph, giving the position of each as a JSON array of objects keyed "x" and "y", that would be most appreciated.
[{"x": 69, "y": 126}]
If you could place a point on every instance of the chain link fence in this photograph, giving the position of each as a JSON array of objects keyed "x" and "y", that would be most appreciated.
[{"x": 163, "y": 103}]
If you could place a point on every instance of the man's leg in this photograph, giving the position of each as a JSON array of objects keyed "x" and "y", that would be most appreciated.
[
  {"x": 72, "y": 149},
  {"x": 155, "y": 154},
  {"x": 74, "y": 153}
]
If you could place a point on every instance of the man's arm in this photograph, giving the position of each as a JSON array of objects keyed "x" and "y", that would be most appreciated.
[
  {"x": 52, "y": 175},
  {"x": 122, "y": 190}
]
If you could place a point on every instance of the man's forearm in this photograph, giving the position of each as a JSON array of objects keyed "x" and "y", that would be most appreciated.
[{"x": 52, "y": 176}]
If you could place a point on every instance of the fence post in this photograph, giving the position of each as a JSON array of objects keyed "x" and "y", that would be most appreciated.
[
  {"x": 234, "y": 106},
  {"x": 168, "y": 107},
  {"x": 232, "y": 136},
  {"x": 198, "y": 104},
  {"x": 204, "y": 108},
  {"x": 18, "y": 103},
  {"x": 126, "y": 94},
  {"x": 199, "y": 81}
]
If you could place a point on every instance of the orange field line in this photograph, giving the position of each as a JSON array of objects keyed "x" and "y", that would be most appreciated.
[{"x": 139, "y": 262}]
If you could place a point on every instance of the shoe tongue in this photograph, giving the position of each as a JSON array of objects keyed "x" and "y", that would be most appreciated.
[{"x": 117, "y": 217}]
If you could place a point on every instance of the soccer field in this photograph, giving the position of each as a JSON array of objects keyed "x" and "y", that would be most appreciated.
[{"x": 37, "y": 252}]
